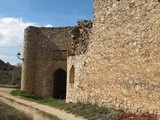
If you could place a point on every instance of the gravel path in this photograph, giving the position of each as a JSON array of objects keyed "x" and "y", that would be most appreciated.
[{"x": 32, "y": 108}]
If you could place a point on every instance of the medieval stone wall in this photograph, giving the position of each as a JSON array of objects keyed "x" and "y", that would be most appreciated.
[
  {"x": 39, "y": 64},
  {"x": 80, "y": 37},
  {"x": 29, "y": 54},
  {"x": 121, "y": 68},
  {"x": 118, "y": 66}
]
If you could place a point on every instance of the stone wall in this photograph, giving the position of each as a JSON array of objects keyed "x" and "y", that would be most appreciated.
[
  {"x": 39, "y": 63},
  {"x": 29, "y": 54},
  {"x": 80, "y": 37},
  {"x": 121, "y": 68}
]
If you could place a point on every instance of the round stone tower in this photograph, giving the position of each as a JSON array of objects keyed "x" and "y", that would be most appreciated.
[{"x": 29, "y": 55}]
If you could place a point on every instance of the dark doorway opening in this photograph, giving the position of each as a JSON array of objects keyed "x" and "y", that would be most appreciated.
[{"x": 59, "y": 85}]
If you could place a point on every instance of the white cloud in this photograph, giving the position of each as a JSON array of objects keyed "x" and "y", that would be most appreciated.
[
  {"x": 11, "y": 31},
  {"x": 48, "y": 25},
  {"x": 3, "y": 57},
  {"x": 12, "y": 34},
  {"x": 11, "y": 59}
]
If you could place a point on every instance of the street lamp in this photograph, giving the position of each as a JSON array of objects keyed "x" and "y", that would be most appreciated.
[{"x": 19, "y": 55}]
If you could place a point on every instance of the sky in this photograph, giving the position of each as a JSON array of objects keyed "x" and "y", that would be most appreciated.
[{"x": 16, "y": 15}]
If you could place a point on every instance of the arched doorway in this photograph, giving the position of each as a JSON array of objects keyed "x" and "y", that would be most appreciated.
[{"x": 59, "y": 84}]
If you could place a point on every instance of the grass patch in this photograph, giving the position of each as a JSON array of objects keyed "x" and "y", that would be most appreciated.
[
  {"x": 51, "y": 117},
  {"x": 9, "y": 113},
  {"x": 88, "y": 111},
  {"x": 25, "y": 95},
  {"x": 9, "y": 86}
]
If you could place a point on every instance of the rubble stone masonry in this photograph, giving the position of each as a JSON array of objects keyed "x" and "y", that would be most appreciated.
[
  {"x": 121, "y": 67},
  {"x": 39, "y": 64},
  {"x": 45, "y": 57}
]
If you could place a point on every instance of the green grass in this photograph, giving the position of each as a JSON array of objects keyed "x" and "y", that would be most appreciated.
[
  {"x": 9, "y": 113},
  {"x": 25, "y": 95},
  {"x": 51, "y": 117},
  {"x": 9, "y": 86},
  {"x": 88, "y": 111}
]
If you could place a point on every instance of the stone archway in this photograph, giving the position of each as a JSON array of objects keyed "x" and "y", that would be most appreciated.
[{"x": 59, "y": 84}]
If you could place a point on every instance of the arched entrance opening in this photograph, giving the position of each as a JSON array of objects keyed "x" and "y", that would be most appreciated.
[{"x": 59, "y": 84}]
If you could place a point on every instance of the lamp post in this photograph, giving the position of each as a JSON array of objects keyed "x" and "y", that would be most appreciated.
[{"x": 19, "y": 56}]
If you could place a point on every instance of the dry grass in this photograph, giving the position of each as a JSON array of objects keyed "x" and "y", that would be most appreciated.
[
  {"x": 88, "y": 111},
  {"x": 9, "y": 113}
]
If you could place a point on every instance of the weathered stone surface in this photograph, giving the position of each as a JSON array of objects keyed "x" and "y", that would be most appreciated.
[
  {"x": 80, "y": 37},
  {"x": 39, "y": 66},
  {"x": 121, "y": 65},
  {"x": 116, "y": 63},
  {"x": 40, "y": 44}
]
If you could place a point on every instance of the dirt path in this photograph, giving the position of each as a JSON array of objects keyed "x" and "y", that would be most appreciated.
[{"x": 32, "y": 108}]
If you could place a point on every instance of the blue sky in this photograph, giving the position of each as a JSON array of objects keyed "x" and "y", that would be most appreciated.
[{"x": 15, "y": 15}]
